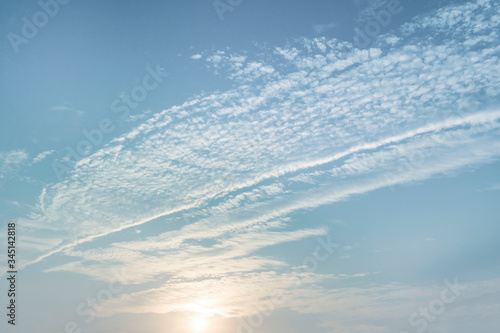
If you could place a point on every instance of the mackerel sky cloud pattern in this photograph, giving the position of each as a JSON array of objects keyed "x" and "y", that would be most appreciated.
[{"x": 187, "y": 201}]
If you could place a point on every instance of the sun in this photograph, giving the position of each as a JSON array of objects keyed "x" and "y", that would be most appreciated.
[{"x": 199, "y": 324}]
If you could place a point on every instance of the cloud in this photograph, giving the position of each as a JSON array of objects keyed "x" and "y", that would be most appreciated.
[
  {"x": 494, "y": 187},
  {"x": 41, "y": 156},
  {"x": 13, "y": 157},
  {"x": 366, "y": 11},
  {"x": 196, "y": 56},
  {"x": 137, "y": 117},
  {"x": 11, "y": 161},
  {"x": 239, "y": 68},
  {"x": 305, "y": 125},
  {"x": 314, "y": 110},
  {"x": 62, "y": 108},
  {"x": 321, "y": 28}
]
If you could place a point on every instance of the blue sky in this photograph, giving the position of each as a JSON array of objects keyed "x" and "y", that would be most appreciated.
[{"x": 252, "y": 166}]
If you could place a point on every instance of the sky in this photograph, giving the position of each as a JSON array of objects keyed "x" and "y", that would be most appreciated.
[{"x": 251, "y": 166}]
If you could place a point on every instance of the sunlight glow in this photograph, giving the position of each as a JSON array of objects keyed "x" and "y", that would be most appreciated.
[{"x": 199, "y": 324}]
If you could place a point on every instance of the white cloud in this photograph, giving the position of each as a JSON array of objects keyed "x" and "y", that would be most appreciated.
[
  {"x": 306, "y": 125},
  {"x": 63, "y": 108},
  {"x": 13, "y": 157},
  {"x": 298, "y": 120},
  {"x": 321, "y": 28},
  {"x": 11, "y": 161},
  {"x": 494, "y": 187},
  {"x": 41, "y": 156}
]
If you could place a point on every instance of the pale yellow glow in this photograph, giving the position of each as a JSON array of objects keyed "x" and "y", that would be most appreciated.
[{"x": 199, "y": 324}]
